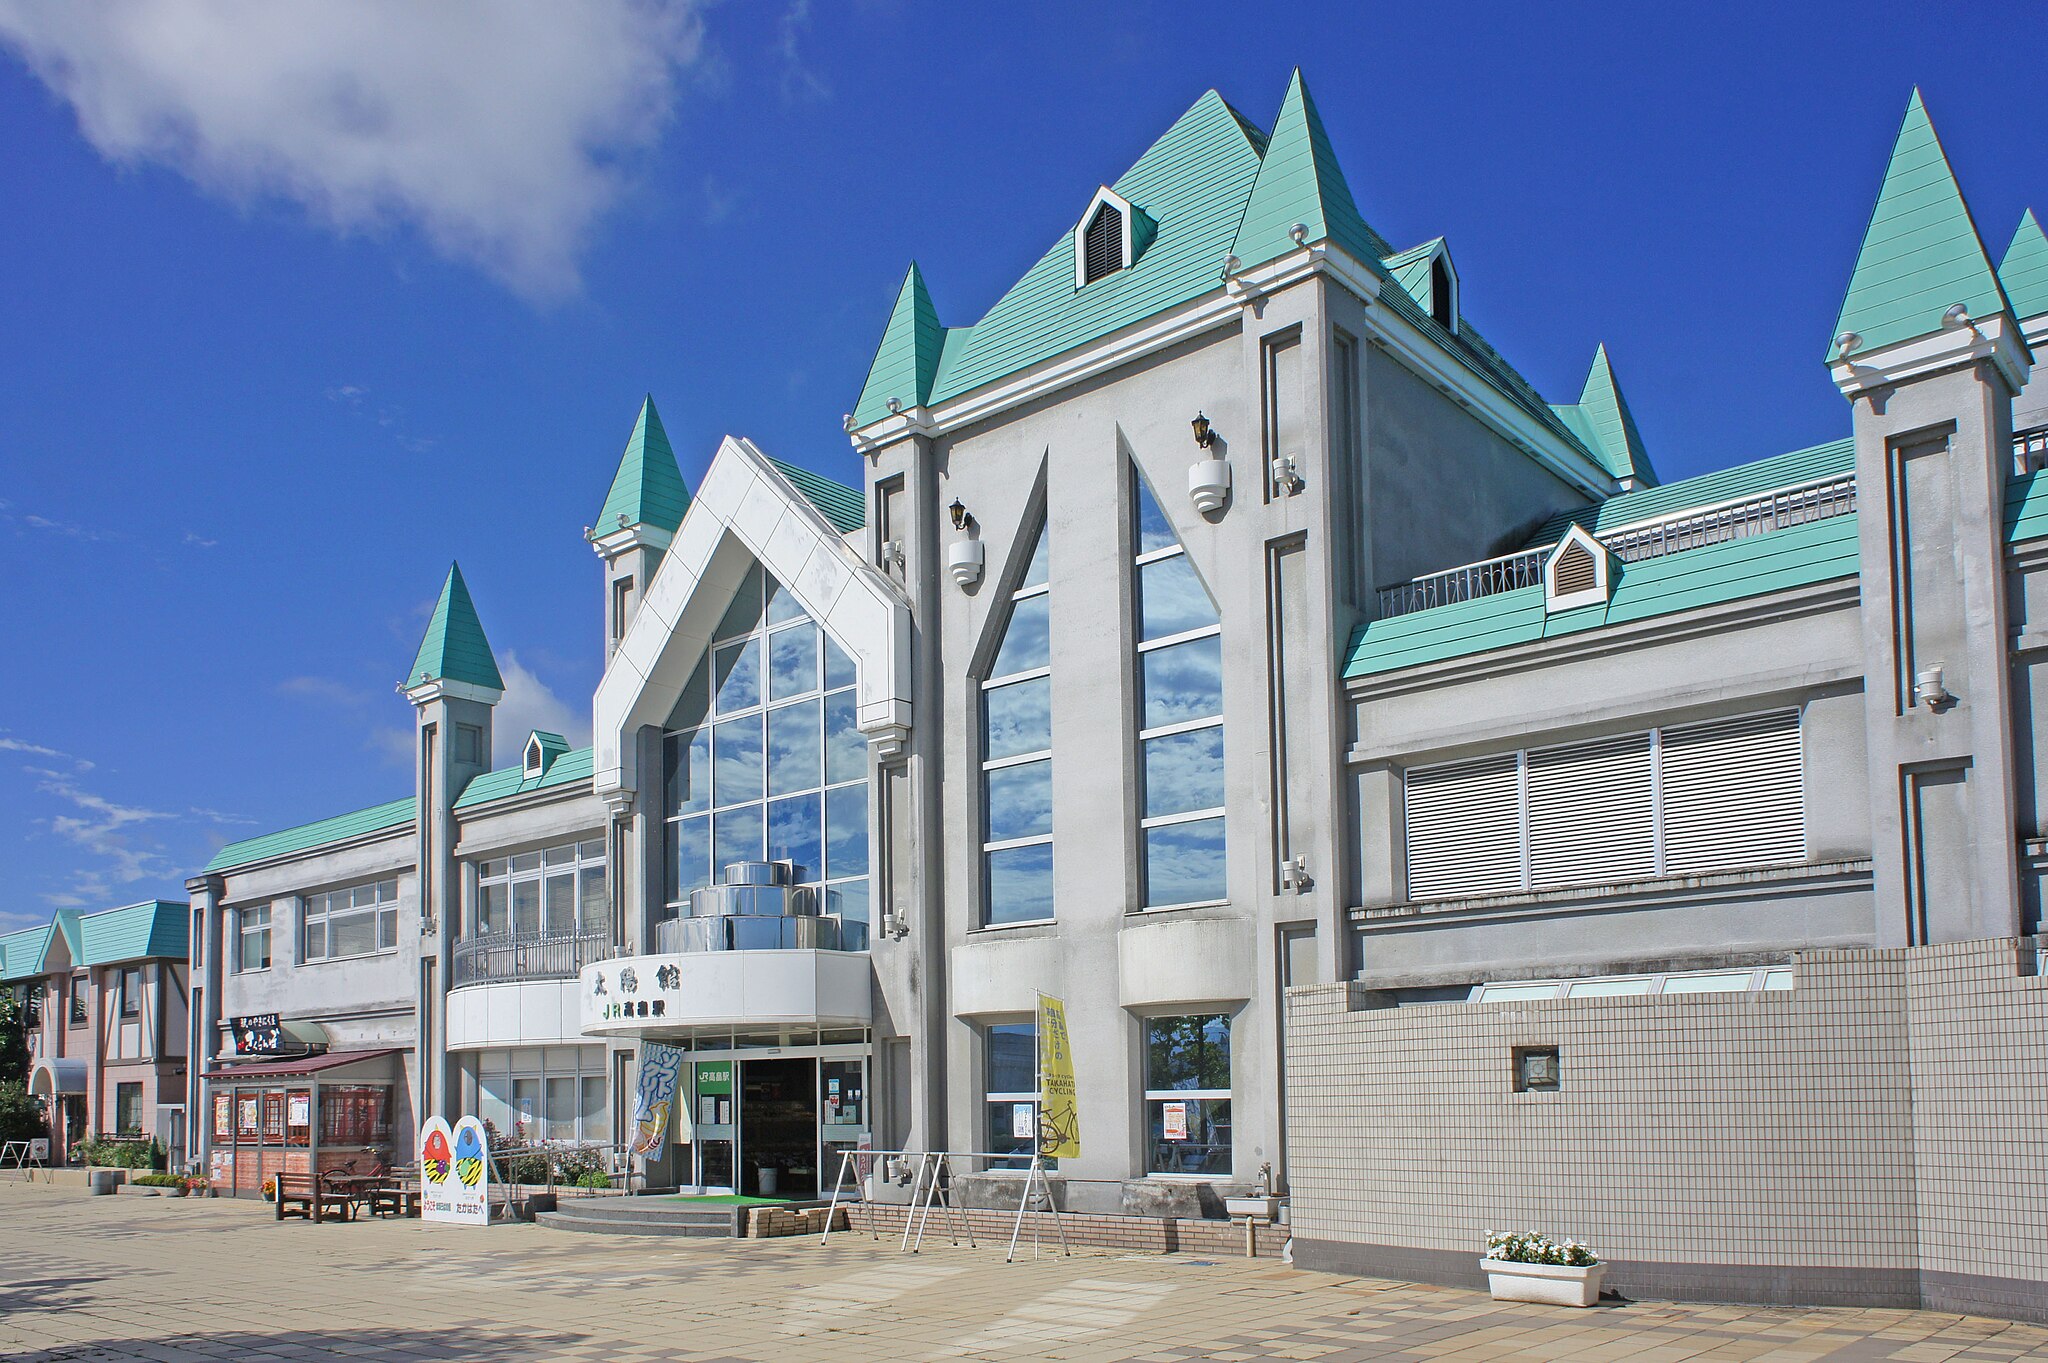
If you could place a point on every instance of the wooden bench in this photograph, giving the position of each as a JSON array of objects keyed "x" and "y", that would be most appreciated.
[{"x": 311, "y": 1197}]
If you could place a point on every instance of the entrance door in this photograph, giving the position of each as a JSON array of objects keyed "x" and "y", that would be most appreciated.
[{"x": 779, "y": 1128}]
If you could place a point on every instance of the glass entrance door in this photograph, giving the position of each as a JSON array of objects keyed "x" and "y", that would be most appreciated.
[{"x": 779, "y": 1128}]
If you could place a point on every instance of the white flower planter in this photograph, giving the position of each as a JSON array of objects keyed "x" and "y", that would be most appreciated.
[{"x": 1550, "y": 1284}]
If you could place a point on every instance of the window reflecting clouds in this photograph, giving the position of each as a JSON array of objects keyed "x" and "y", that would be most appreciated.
[{"x": 1016, "y": 716}]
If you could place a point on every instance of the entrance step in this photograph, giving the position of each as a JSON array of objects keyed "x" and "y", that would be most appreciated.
[{"x": 641, "y": 1216}]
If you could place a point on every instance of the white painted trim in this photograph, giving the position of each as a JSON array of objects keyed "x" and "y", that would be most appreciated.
[
  {"x": 1553, "y": 600},
  {"x": 1994, "y": 339},
  {"x": 618, "y": 542},
  {"x": 428, "y": 691},
  {"x": 1104, "y": 195},
  {"x": 746, "y": 511}
]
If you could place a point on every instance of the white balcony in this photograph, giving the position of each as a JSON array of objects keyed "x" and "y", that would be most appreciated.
[{"x": 675, "y": 992}]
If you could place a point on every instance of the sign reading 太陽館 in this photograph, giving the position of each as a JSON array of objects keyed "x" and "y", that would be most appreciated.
[
  {"x": 455, "y": 1172},
  {"x": 646, "y": 989},
  {"x": 1059, "y": 1126}
]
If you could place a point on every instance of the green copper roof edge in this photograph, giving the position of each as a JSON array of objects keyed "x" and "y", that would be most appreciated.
[
  {"x": 568, "y": 767},
  {"x": 845, "y": 507},
  {"x": 1829, "y": 459},
  {"x": 906, "y": 360},
  {"x": 305, "y": 837},
  {"x": 2024, "y": 271}
]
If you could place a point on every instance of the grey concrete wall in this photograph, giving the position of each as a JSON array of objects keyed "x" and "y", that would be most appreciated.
[{"x": 1852, "y": 1140}]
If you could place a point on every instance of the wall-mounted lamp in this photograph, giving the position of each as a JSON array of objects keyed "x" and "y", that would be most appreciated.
[
  {"x": 1846, "y": 343},
  {"x": 1286, "y": 479},
  {"x": 1203, "y": 435},
  {"x": 1208, "y": 479},
  {"x": 964, "y": 560},
  {"x": 962, "y": 517},
  {"x": 1929, "y": 689},
  {"x": 1957, "y": 315}
]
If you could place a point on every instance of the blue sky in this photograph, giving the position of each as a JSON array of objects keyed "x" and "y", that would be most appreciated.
[{"x": 293, "y": 314}]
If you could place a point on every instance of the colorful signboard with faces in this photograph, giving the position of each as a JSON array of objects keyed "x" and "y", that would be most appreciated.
[{"x": 455, "y": 1172}]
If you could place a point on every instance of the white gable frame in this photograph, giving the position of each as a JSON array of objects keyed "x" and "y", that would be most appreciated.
[
  {"x": 744, "y": 512},
  {"x": 1555, "y": 600},
  {"x": 1104, "y": 195}
]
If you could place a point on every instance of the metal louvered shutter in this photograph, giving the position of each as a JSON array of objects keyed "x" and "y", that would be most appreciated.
[
  {"x": 1733, "y": 794},
  {"x": 1574, "y": 571},
  {"x": 1590, "y": 813},
  {"x": 1465, "y": 828},
  {"x": 1102, "y": 244}
]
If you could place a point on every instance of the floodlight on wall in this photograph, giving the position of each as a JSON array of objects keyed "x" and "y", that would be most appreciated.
[
  {"x": 1299, "y": 232},
  {"x": 1929, "y": 688},
  {"x": 1287, "y": 479},
  {"x": 1847, "y": 342},
  {"x": 1957, "y": 315}
]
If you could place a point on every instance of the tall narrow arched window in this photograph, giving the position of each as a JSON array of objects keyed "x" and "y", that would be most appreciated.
[
  {"x": 1016, "y": 753},
  {"x": 1180, "y": 719},
  {"x": 1102, "y": 244},
  {"x": 1441, "y": 305}
]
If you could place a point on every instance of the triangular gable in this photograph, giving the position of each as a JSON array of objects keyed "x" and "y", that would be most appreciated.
[
  {"x": 1921, "y": 253},
  {"x": 747, "y": 511},
  {"x": 2024, "y": 271}
]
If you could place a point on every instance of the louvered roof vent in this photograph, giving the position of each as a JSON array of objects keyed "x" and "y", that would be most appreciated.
[
  {"x": 1109, "y": 237},
  {"x": 1577, "y": 573}
]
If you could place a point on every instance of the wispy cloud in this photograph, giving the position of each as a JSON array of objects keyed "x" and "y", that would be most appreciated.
[
  {"x": 500, "y": 130},
  {"x": 199, "y": 541},
  {"x": 10, "y": 514},
  {"x": 531, "y": 704},
  {"x": 800, "y": 82},
  {"x": 117, "y": 842},
  {"x": 28, "y": 749},
  {"x": 388, "y": 416}
]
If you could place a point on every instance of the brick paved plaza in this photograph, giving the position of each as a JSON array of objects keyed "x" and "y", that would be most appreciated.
[{"x": 122, "y": 1277}]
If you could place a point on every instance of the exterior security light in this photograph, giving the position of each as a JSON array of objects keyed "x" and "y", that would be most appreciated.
[
  {"x": 1203, "y": 435},
  {"x": 1847, "y": 342},
  {"x": 959, "y": 513},
  {"x": 1958, "y": 315}
]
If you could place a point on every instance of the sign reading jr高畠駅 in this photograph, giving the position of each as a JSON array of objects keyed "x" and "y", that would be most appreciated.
[
  {"x": 1059, "y": 1127},
  {"x": 455, "y": 1172}
]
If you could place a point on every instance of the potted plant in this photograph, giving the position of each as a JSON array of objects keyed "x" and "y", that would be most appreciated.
[
  {"x": 269, "y": 1189},
  {"x": 1525, "y": 1266}
]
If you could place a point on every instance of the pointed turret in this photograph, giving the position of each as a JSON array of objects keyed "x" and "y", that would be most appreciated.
[
  {"x": 1300, "y": 183},
  {"x": 908, "y": 359},
  {"x": 1921, "y": 253},
  {"x": 2024, "y": 271},
  {"x": 648, "y": 489},
  {"x": 454, "y": 649},
  {"x": 1610, "y": 428}
]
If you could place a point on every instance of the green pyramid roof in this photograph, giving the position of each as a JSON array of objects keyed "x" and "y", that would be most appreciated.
[
  {"x": 1921, "y": 253},
  {"x": 1192, "y": 183},
  {"x": 648, "y": 488},
  {"x": 1605, "y": 425},
  {"x": 454, "y": 648},
  {"x": 908, "y": 359},
  {"x": 1300, "y": 182},
  {"x": 2024, "y": 272}
]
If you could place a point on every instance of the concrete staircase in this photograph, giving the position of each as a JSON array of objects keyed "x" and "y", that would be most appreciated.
[{"x": 642, "y": 1216}]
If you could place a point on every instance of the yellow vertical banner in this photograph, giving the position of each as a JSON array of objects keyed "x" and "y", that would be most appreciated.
[{"x": 1059, "y": 1127}]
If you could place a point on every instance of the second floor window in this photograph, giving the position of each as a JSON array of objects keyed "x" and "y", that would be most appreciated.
[
  {"x": 360, "y": 921},
  {"x": 1016, "y": 753},
  {"x": 252, "y": 938},
  {"x": 79, "y": 1006},
  {"x": 555, "y": 892},
  {"x": 131, "y": 991}
]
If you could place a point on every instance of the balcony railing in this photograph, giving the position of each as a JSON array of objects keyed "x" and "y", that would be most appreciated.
[
  {"x": 760, "y": 932},
  {"x": 527, "y": 956},
  {"x": 1633, "y": 544},
  {"x": 2029, "y": 449}
]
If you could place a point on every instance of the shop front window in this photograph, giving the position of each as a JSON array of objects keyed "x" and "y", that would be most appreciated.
[
  {"x": 1187, "y": 1094},
  {"x": 765, "y": 759},
  {"x": 536, "y": 1094}
]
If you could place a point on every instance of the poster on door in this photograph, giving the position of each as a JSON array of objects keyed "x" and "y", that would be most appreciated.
[{"x": 455, "y": 1172}]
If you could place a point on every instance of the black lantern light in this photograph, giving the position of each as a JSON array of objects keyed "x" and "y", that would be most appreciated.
[
  {"x": 1202, "y": 434},
  {"x": 960, "y": 516}
]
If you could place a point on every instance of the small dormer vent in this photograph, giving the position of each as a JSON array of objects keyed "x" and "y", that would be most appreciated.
[
  {"x": 1102, "y": 244},
  {"x": 1577, "y": 573},
  {"x": 535, "y": 759},
  {"x": 1442, "y": 304},
  {"x": 540, "y": 752}
]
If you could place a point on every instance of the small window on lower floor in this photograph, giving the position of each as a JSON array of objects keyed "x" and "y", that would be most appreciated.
[
  {"x": 1011, "y": 1090},
  {"x": 127, "y": 1109},
  {"x": 1187, "y": 1095}
]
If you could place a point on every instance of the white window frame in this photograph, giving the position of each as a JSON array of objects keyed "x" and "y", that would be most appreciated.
[
  {"x": 572, "y": 858},
  {"x": 254, "y": 920},
  {"x": 381, "y": 908},
  {"x": 1144, "y": 646},
  {"x": 1663, "y": 984}
]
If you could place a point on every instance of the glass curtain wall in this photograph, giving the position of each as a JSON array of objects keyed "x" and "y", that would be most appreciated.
[
  {"x": 1016, "y": 723},
  {"x": 1180, "y": 722},
  {"x": 765, "y": 759}
]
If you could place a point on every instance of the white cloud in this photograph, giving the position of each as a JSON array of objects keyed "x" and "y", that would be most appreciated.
[
  {"x": 530, "y": 705},
  {"x": 499, "y": 129},
  {"x": 107, "y": 831}
]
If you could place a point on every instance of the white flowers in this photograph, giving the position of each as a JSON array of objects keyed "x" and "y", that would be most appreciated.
[{"x": 1528, "y": 1247}]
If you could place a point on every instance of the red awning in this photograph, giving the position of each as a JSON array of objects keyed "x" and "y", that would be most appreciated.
[{"x": 305, "y": 1064}]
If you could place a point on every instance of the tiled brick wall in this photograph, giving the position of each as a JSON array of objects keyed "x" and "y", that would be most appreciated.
[
  {"x": 1160, "y": 1236},
  {"x": 1836, "y": 1142}
]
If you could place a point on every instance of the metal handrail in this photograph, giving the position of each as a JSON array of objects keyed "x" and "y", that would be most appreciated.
[
  {"x": 2029, "y": 449},
  {"x": 1697, "y": 529},
  {"x": 528, "y": 956}
]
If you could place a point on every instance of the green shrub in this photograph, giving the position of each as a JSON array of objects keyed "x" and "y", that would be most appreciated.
[
  {"x": 158, "y": 1180},
  {"x": 21, "y": 1117},
  {"x": 109, "y": 1152},
  {"x": 593, "y": 1178}
]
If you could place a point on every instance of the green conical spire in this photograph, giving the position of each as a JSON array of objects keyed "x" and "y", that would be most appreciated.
[
  {"x": 1921, "y": 253},
  {"x": 1612, "y": 426},
  {"x": 454, "y": 648},
  {"x": 1300, "y": 182},
  {"x": 2024, "y": 271},
  {"x": 908, "y": 359},
  {"x": 648, "y": 488}
]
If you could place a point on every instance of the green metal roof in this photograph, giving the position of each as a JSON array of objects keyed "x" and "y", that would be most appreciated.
[
  {"x": 308, "y": 836},
  {"x": 908, "y": 359},
  {"x": 1835, "y": 459},
  {"x": 1299, "y": 181},
  {"x": 843, "y": 506},
  {"x": 1193, "y": 183},
  {"x": 648, "y": 489},
  {"x": 1604, "y": 424},
  {"x": 572, "y": 766},
  {"x": 1818, "y": 551},
  {"x": 1921, "y": 253},
  {"x": 2026, "y": 507},
  {"x": 454, "y": 648},
  {"x": 1410, "y": 269},
  {"x": 2024, "y": 271},
  {"x": 155, "y": 927},
  {"x": 22, "y": 953}
]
